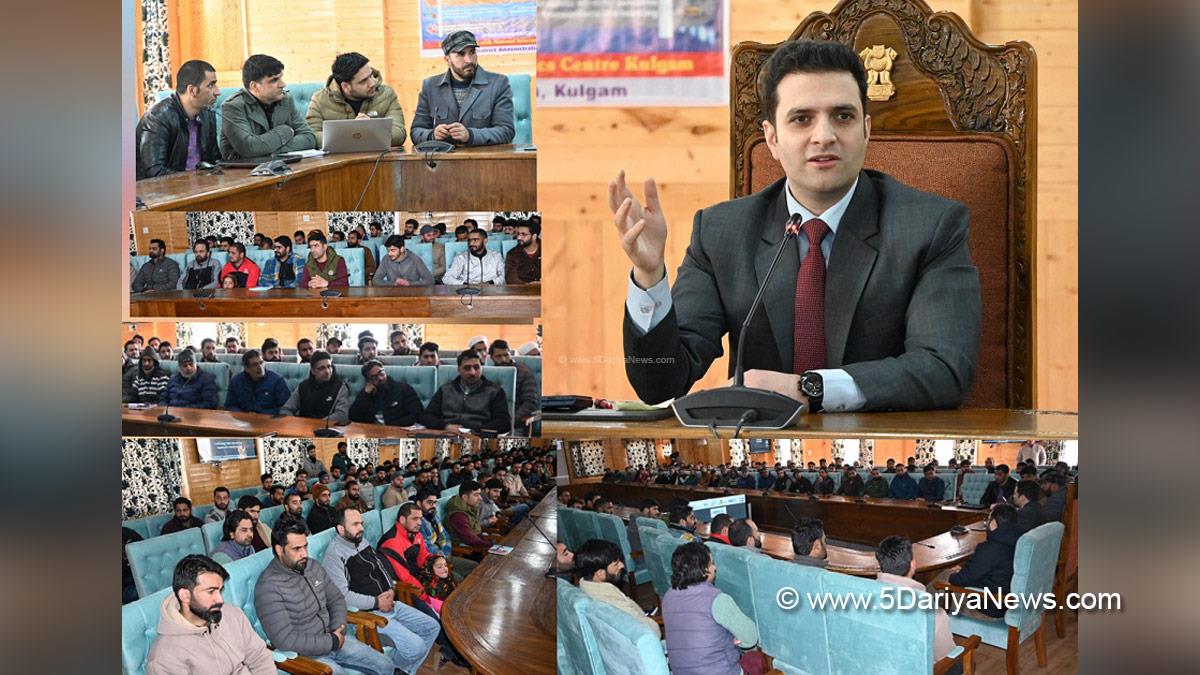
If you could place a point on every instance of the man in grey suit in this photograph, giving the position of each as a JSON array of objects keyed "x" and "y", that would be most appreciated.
[
  {"x": 466, "y": 105},
  {"x": 895, "y": 326},
  {"x": 261, "y": 119}
]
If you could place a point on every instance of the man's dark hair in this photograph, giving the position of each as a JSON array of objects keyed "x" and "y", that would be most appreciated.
[
  {"x": 227, "y": 240},
  {"x": 248, "y": 355},
  {"x": 394, "y": 240},
  {"x": 414, "y": 221},
  {"x": 317, "y": 357},
  {"x": 498, "y": 344},
  {"x": 283, "y": 527},
  {"x": 201, "y": 241},
  {"x": 534, "y": 228},
  {"x": 468, "y": 486},
  {"x": 192, "y": 73},
  {"x": 689, "y": 565},
  {"x": 407, "y": 508},
  {"x": 740, "y": 532},
  {"x": 1001, "y": 467},
  {"x": 679, "y": 512},
  {"x": 603, "y": 501},
  {"x": 647, "y": 503},
  {"x": 366, "y": 367},
  {"x": 467, "y": 355},
  {"x": 317, "y": 235},
  {"x": 206, "y": 341},
  {"x": 424, "y": 493},
  {"x": 494, "y": 484},
  {"x": 481, "y": 231},
  {"x": 1053, "y": 476},
  {"x": 595, "y": 555},
  {"x": 161, "y": 244},
  {"x": 720, "y": 522},
  {"x": 1004, "y": 514},
  {"x": 181, "y": 500},
  {"x": 428, "y": 347},
  {"x": 241, "y": 248},
  {"x": 220, "y": 488},
  {"x": 259, "y": 66},
  {"x": 246, "y": 502},
  {"x": 806, "y": 532},
  {"x": 809, "y": 56},
  {"x": 270, "y": 343},
  {"x": 277, "y": 486},
  {"x": 347, "y": 65},
  {"x": 332, "y": 340},
  {"x": 461, "y": 229},
  {"x": 894, "y": 554},
  {"x": 499, "y": 220},
  {"x": 1027, "y": 470},
  {"x": 189, "y": 569},
  {"x": 231, "y": 521},
  {"x": 284, "y": 241},
  {"x": 339, "y": 513}
]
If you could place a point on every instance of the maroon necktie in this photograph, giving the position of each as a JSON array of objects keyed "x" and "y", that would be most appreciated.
[{"x": 808, "y": 346}]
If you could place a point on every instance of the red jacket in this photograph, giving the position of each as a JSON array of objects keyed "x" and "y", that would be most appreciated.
[
  {"x": 408, "y": 547},
  {"x": 247, "y": 267}
]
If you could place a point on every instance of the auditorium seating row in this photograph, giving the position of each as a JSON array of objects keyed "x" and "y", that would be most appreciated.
[
  {"x": 355, "y": 260},
  {"x": 344, "y": 357},
  {"x": 303, "y": 92}
]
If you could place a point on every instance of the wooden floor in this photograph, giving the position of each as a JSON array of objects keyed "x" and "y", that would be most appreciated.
[{"x": 431, "y": 665}]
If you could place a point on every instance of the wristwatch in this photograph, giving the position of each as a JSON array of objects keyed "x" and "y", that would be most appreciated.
[{"x": 812, "y": 386}]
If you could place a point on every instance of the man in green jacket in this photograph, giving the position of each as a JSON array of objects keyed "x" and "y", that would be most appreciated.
[
  {"x": 877, "y": 486},
  {"x": 355, "y": 91},
  {"x": 261, "y": 119}
]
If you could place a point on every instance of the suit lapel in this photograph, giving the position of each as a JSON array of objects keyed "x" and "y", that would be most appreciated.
[
  {"x": 850, "y": 263},
  {"x": 779, "y": 301},
  {"x": 472, "y": 92}
]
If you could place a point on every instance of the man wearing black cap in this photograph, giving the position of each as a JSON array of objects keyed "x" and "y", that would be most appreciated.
[
  {"x": 190, "y": 387},
  {"x": 384, "y": 400},
  {"x": 466, "y": 105}
]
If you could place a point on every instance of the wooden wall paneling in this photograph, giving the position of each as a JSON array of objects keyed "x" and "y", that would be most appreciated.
[
  {"x": 453, "y": 336},
  {"x": 201, "y": 479},
  {"x": 163, "y": 330},
  {"x": 288, "y": 334},
  {"x": 891, "y": 448}
]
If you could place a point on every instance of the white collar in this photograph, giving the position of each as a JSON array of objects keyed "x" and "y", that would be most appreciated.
[{"x": 832, "y": 215}]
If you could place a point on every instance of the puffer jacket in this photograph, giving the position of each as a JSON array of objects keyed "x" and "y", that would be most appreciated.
[
  {"x": 299, "y": 611},
  {"x": 330, "y": 104},
  {"x": 198, "y": 392}
]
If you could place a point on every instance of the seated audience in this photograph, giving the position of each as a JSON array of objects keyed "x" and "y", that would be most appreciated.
[
  {"x": 180, "y": 131},
  {"x": 243, "y": 271},
  {"x": 718, "y": 528},
  {"x": 462, "y": 517},
  {"x": 147, "y": 382},
  {"x": 1000, "y": 490},
  {"x": 852, "y": 483},
  {"x": 441, "y": 107},
  {"x": 159, "y": 273},
  {"x": 437, "y": 582},
  {"x": 190, "y": 387},
  {"x": 256, "y": 389},
  {"x": 478, "y": 265},
  {"x": 201, "y": 271},
  {"x": 990, "y": 567},
  {"x": 931, "y": 488},
  {"x": 383, "y": 400},
  {"x": 1054, "y": 488},
  {"x": 877, "y": 486},
  {"x": 400, "y": 267},
  {"x": 528, "y": 398},
  {"x": 183, "y": 517},
  {"x": 1029, "y": 511},
  {"x": 703, "y": 625},
  {"x": 320, "y": 517},
  {"x": 743, "y": 533},
  {"x": 824, "y": 485},
  {"x": 261, "y": 534},
  {"x": 523, "y": 264},
  {"x": 323, "y": 394},
  {"x": 237, "y": 535},
  {"x": 220, "y": 509},
  {"x": 283, "y": 269},
  {"x": 903, "y": 486},
  {"x": 324, "y": 268},
  {"x": 681, "y": 522},
  {"x": 355, "y": 90},
  {"x": 601, "y": 569},
  {"x": 468, "y": 401},
  {"x": 261, "y": 119}
]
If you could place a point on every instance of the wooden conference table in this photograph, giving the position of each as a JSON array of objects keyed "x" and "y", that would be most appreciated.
[
  {"x": 502, "y": 618},
  {"x": 867, "y": 522},
  {"x": 971, "y": 423},
  {"x": 518, "y": 303},
  {"x": 200, "y": 422},
  {"x": 482, "y": 178}
]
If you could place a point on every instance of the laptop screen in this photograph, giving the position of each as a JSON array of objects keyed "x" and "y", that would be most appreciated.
[{"x": 706, "y": 509}]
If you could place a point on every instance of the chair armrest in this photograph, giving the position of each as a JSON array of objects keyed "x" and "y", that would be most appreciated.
[
  {"x": 368, "y": 628},
  {"x": 359, "y": 618},
  {"x": 406, "y": 593},
  {"x": 964, "y": 652},
  {"x": 301, "y": 665}
]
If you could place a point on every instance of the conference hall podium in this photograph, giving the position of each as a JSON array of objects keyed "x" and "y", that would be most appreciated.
[{"x": 483, "y": 178}]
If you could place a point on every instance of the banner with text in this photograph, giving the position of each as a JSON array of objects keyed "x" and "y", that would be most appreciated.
[
  {"x": 632, "y": 53},
  {"x": 499, "y": 26}
]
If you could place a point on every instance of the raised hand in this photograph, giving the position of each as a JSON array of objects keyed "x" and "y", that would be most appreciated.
[{"x": 643, "y": 230}]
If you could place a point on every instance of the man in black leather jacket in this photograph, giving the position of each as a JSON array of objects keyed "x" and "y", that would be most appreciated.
[{"x": 164, "y": 134}]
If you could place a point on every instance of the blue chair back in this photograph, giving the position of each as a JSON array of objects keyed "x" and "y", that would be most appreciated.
[
  {"x": 573, "y": 632},
  {"x": 566, "y": 528},
  {"x": 1034, "y": 565},
  {"x": 974, "y": 485},
  {"x": 625, "y": 644},
  {"x": 856, "y": 637},
  {"x": 778, "y": 628},
  {"x": 451, "y": 491},
  {"x": 305, "y": 508},
  {"x": 139, "y": 629},
  {"x": 141, "y": 526},
  {"x": 733, "y": 574},
  {"x": 317, "y": 543},
  {"x": 372, "y": 527},
  {"x": 270, "y": 516},
  {"x": 153, "y": 560},
  {"x": 441, "y": 505},
  {"x": 356, "y": 265},
  {"x": 522, "y": 109},
  {"x": 424, "y": 251},
  {"x": 612, "y": 529},
  {"x": 212, "y": 536},
  {"x": 422, "y": 379},
  {"x": 388, "y": 516},
  {"x": 301, "y": 94},
  {"x": 534, "y": 364},
  {"x": 341, "y": 359},
  {"x": 655, "y": 544},
  {"x": 259, "y": 257},
  {"x": 292, "y": 373},
  {"x": 239, "y": 589}
]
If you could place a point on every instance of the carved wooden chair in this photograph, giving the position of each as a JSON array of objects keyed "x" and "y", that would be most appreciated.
[{"x": 959, "y": 120}]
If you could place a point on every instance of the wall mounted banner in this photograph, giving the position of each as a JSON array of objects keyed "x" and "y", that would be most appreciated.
[
  {"x": 500, "y": 26},
  {"x": 632, "y": 53}
]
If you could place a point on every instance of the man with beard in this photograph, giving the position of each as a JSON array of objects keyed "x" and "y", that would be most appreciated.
[
  {"x": 477, "y": 265},
  {"x": 601, "y": 569},
  {"x": 368, "y": 348},
  {"x": 366, "y": 580},
  {"x": 305, "y": 349},
  {"x": 271, "y": 351},
  {"x": 743, "y": 533},
  {"x": 353, "y": 497},
  {"x": 466, "y": 105},
  {"x": 355, "y": 91},
  {"x": 341, "y": 460},
  {"x": 384, "y": 400},
  {"x": 275, "y": 496},
  {"x": 146, "y": 382},
  {"x": 321, "y": 517},
  {"x": 283, "y": 268},
  {"x": 523, "y": 264},
  {"x": 237, "y": 535},
  {"x": 399, "y": 267},
  {"x": 208, "y": 351},
  {"x": 468, "y": 401},
  {"x": 429, "y": 235},
  {"x": 410, "y": 227},
  {"x": 159, "y": 273},
  {"x": 395, "y": 493},
  {"x": 197, "y": 633},
  {"x": 493, "y": 505},
  {"x": 256, "y": 389},
  {"x": 808, "y": 543},
  {"x": 324, "y": 268},
  {"x": 528, "y": 397},
  {"x": 260, "y": 533},
  {"x": 311, "y": 464},
  {"x": 852, "y": 483},
  {"x": 244, "y": 271},
  {"x": 220, "y": 509},
  {"x": 301, "y": 609},
  {"x": 399, "y": 343},
  {"x": 436, "y": 536},
  {"x": 462, "y": 518},
  {"x": 183, "y": 519},
  {"x": 323, "y": 394},
  {"x": 202, "y": 271}
]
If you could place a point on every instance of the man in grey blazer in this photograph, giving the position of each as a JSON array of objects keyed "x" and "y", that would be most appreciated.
[
  {"x": 466, "y": 105},
  {"x": 261, "y": 120},
  {"x": 882, "y": 314}
]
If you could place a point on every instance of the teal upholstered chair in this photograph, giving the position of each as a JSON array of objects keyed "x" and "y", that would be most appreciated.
[
  {"x": 317, "y": 543},
  {"x": 155, "y": 522},
  {"x": 507, "y": 245},
  {"x": 352, "y": 374},
  {"x": 312, "y": 480},
  {"x": 337, "y": 244},
  {"x": 612, "y": 529},
  {"x": 656, "y": 523},
  {"x": 153, "y": 560},
  {"x": 372, "y": 527},
  {"x": 657, "y": 549},
  {"x": 270, "y": 516},
  {"x": 342, "y": 359},
  {"x": 534, "y": 364},
  {"x": 422, "y": 379},
  {"x": 292, "y": 373},
  {"x": 232, "y": 360},
  {"x": 356, "y": 265},
  {"x": 951, "y": 480},
  {"x": 452, "y": 491},
  {"x": 306, "y": 508},
  {"x": 335, "y": 495},
  {"x": 974, "y": 485},
  {"x": 424, "y": 251},
  {"x": 778, "y": 628},
  {"x": 139, "y": 629},
  {"x": 378, "y": 498},
  {"x": 235, "y": 495},
  {"x": 397, "y": 360},
  {"x": 141, "y": 526},
  {"x": 574, "y": 634},
  {"x": 733, "y": 574},
  {"x": 387, "y": 517},
  {"x": 505, "y": 376},
  {"x": 567, "y": 532},
  {"x": 212, "y": 535},
  {"x": 522, "y": 109},
  {"x": 624, "y": 643},
  {"x": 1034, "y": 564},
  {"x": 259, "y": 257},
  {"x": 222, "y": 373}
]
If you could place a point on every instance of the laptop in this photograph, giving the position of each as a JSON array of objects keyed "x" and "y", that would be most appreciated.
[{"x": 370, "y": 135}]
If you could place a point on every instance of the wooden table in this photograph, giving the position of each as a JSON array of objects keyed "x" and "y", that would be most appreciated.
[
  {"x": 494, "y": 303},
  {"x": 973, "y": 423},
  {"x": 482, "y": 178},
  {"x": 199, "y": 422},
  {"x": 502, "y": 618},
  {"x": 934, "y": 547}
]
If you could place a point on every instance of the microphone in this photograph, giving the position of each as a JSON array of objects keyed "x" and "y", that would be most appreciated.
[
  {"x": 328, "y": 432},
  {"x": 166, "y": 417},
  {"x": 741, "y": 406},
  {"x": 468, "y": 290}
]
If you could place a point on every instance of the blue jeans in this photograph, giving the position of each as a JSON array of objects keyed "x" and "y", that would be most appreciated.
[
  {"x": 413, "y": 634},
  {"x": 358, "y": 656},
  {"x": 518, "y": 511}
]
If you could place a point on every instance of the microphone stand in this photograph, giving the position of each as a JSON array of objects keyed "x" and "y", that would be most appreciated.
[
  {"x": 468, "y": 292},
  {"x": 740, "y": 406},
  {"x": 326, "y": 431},
  {"x": 166, "y": 417}
]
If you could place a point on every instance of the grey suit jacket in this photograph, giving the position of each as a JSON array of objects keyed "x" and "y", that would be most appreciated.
[
  {"x": 487, "y": 111},
  {"x": 246, "y": 132},
  {"x": 902, "y": 300}
]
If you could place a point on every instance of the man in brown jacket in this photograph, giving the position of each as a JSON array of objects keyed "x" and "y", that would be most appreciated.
[
  {"x": 355, "y": 91},
  {"x": 198, "y": 633}
]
